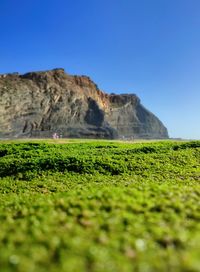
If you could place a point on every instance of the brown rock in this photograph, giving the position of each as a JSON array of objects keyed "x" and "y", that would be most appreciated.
[{"x": 37, "y": 104}]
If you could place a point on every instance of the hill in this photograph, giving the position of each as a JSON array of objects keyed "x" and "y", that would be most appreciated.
[{"x": 38, "y": 104}]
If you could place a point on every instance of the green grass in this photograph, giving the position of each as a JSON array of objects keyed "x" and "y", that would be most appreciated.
[{"x": 99, "y": 206}]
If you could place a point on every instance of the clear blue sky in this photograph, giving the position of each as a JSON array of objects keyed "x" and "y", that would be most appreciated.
[{"x": 147, "y": 47}]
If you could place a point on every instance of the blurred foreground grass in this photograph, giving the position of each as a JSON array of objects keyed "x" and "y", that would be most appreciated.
[{"x": 99, "y": 206}]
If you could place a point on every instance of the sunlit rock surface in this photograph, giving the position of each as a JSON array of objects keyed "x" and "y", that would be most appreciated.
[{"x": 39, "y": 104}]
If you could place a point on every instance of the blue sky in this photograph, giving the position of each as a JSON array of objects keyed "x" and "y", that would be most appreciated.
[{"x": 147, "y": 47}]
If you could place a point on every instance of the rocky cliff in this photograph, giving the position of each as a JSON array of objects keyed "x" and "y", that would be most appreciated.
[{"x": 38, "y": 104}]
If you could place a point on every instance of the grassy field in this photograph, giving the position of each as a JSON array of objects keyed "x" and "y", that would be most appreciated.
[{"x": 99, "y": 206}]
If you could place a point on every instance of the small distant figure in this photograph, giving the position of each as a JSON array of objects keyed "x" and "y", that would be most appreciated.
[{"x": 55, "y": 135}]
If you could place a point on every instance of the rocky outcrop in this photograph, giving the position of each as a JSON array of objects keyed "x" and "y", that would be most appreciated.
[{"x": 38, "y": 104}]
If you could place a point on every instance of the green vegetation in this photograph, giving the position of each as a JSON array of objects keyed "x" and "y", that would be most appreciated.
[{"x": 99, "y": 206}]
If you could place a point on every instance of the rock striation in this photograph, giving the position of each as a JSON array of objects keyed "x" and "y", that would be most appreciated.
[{"x": 38, "y": 104}]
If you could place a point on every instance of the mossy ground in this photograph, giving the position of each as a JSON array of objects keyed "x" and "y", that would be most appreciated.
[{"x": 99, "y": 206}]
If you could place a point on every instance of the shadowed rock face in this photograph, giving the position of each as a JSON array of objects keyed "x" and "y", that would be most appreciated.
[{"x": 38, "y": 104}]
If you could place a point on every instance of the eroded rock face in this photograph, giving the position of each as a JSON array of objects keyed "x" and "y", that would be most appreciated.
[{"x": 38, "y": 104}]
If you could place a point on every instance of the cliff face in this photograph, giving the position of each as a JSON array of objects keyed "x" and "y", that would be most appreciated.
[{"x": 40, "y": 103}]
